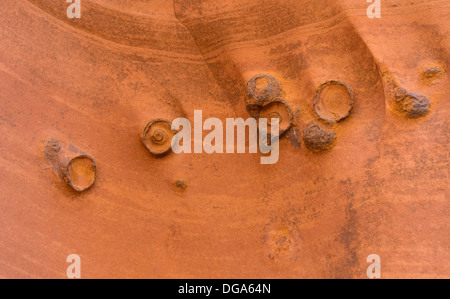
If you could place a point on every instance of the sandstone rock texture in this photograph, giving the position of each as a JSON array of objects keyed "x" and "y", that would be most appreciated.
[{"x": 363, "y": 171}]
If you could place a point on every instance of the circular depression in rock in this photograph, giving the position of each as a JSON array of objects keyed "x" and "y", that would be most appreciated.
[
  {"x": 277, "y": 109},
  {"x": 261, "y": 83},
  {"x": 157, "y": 136},
  {"x": 81, "y": 172},
  {"x": 333, "y": 101}
]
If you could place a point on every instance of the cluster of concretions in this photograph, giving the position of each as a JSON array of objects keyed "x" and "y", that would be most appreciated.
[
  {"x": 265, "y": 100},
  {"x": 76, "y": 170},
  {"x": 333, "y": 102},
  {"x": 157, "y": 136}
]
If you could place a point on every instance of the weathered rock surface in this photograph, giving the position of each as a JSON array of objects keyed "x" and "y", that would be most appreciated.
[{"x": 96, "y": 82}]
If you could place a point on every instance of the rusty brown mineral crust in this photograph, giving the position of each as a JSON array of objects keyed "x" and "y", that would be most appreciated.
[
  {"x": 262, "y": 88},
  {"x": 410, "y": 104},
  {"x": 253, "y": 110},
  {"x": 317, "y": 138},
  {"x": 433, "y": 73},
  {"x": 333, "y": 101},
  {"x": 295, "y": 137},
  {"x": 157, "y": 136}
]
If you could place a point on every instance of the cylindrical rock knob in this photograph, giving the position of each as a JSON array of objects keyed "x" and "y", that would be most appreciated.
[
  {"x": 157, "y": 136},
  {"x": 76, "y": 169}
]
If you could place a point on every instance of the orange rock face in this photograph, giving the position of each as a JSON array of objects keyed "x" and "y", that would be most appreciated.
[{"x": 362, "y": 170}]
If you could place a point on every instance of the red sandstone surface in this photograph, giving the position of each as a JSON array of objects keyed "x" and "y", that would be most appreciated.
[{"x": 375, "y": 182}]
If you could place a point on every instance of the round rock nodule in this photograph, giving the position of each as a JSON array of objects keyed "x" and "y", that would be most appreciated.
[
  {"x": 333, "y": 101},
  {"x": 410, "y": 104},
  {"x": 77, "y": 170},
  {"x": 317, "y": 138},
  {"x": 262, "y": 88},
  {"x": 81, "y": 172},
  {"x": 157, "y": 136},
  {"x": 277, "y": 108}
]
